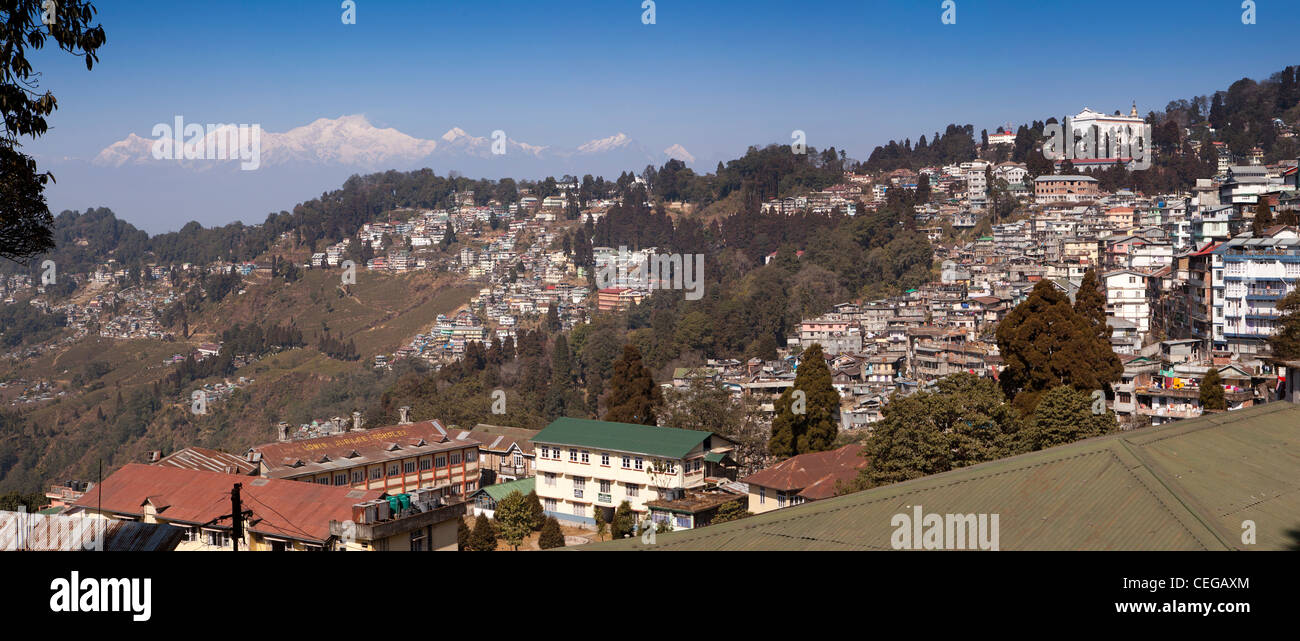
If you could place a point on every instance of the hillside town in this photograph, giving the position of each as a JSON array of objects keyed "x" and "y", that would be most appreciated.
[{"x": 1191, "y": 282}]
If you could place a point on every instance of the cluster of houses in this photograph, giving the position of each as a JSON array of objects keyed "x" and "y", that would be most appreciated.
[{"x": 339, "y": 485}]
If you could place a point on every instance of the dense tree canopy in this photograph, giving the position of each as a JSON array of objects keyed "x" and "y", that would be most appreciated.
[
  {"x": 25, "y": 220},
  {"x": 807, "y": 414},
  {"x": 1046, "y": 343}
]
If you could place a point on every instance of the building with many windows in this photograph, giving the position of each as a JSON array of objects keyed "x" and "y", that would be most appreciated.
[
  {"x": 396, "y": 459},
  {"x": 584, "y": 465}
]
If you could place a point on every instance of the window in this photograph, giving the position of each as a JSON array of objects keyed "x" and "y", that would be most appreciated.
[
  {"x": 604, "y": 459},
  {"x": 324, "y": 480},
  {"x": 604, "y": 486},
  {"x": 394, "y": 470},
  {"x": 440, "y": 461},
  {"x": 546, "y": 452},
  {"x": 376, "y": 473},
  {"x": 358, "y": 476},
  {"x": 426, "y": 463},
  {"x": 640, "y": 463},
  {"x": 573, "y": 456},
  {"x": 579, "y": 509},
  {"x": 684, "y": 521},
  {"x": 455, "y": 458},
  {"x": 580, "y": 482},
  {"x": 471, "y": 456},
  {"x": 586, "y": 457},
  {"x": 633, "y": 490},
  {"x": 762, "y": 495},
  {"x": 550, "y": 505},
  {"x": 627, "y": 462},
  {"x": 341, "y": 479},
  {"x": 550, "y": 479}
]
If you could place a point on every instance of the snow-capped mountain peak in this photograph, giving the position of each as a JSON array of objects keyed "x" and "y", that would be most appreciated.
[{"x": 679, "y": 152}]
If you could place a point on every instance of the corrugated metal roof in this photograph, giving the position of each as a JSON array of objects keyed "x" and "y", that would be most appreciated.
[
  {"x": 202, "y": 458},
  {"x": 44, "y": 532},
  {"x": 350, "y": 449},
  {"x": 292, "y": 509},
  {"x": 1184, "y": 486},
  {"x": 814, "y": 473},
  {"x": 501, "y": 490}
]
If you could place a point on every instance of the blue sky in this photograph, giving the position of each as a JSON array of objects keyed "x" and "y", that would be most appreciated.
[{"x": 712, "y": 76}]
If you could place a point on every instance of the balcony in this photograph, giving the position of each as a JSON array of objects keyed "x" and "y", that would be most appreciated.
[{"x": 517, "y": 471}]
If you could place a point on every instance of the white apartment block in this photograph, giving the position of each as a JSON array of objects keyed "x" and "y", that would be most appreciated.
[{"x": 584, "y": 465}]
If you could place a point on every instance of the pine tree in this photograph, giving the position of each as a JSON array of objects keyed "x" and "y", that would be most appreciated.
[
  {"x": 602, "y": 527},
  {"x": 1090, "y": 304},
  {"x": 1212, "y": 397},
  {"x": 551, "y": 536},
  {"x": 1065, "y": 415},
  {"x": 1045, "y": 343},
  {"x": 484, "y": 536},
  {"x": 515, "y": 518},
  {"x": 964, "y": 421},
  {"x": 815, "y": 427},
  {"x": 624, "y": 521},
  {"x": 632, "y": 390},
  {"x": 1285, "y": 342},
  {"x": 1286, "y": 217},
  {"x": 536, "y": 509},
  {"x": 463, "y": 536},
  {"x": 1263, "y": 217}
]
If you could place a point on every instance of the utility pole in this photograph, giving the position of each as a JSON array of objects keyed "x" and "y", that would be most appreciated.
[{"x": 236, "y": 517}]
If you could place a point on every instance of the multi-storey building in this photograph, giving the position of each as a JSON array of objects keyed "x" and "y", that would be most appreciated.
[
  {"x": 1058, "y": 189},
  {"x": 397, "y": 458},
  {"x": 1255, "y": 274},
  {"x": 584, "y": 465},
  {"x": 1129, "y": 295}
]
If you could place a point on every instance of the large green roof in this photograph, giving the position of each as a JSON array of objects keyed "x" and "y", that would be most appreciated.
[
  {"x": 668, "y": 442},
  {"x": 1188, "y": 485}
]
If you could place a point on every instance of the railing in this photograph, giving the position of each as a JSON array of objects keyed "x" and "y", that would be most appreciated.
[{"x": 512, "y": 470}]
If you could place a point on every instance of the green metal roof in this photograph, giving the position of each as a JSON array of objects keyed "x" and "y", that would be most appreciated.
[
  {"x": 668, "y": 442},
  {"x": 1188, "y": 485},
  {"x": 501, "y": 490},
  {"x": 714, "y": 457}
]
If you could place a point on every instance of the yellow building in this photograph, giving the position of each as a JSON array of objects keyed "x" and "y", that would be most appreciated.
[{"x": 584, "y": 465}]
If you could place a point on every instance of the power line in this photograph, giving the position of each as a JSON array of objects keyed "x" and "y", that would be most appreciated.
[{"x": 286, "y": 519}]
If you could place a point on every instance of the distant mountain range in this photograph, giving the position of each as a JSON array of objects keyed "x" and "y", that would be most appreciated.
[
  {"x": 159, "y": 195},
  {"x": 351, "y": 141}
]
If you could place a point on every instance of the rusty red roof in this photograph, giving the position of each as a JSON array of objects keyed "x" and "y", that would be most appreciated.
[
  {"x": 202, "y": 458},
  {"x": 288, "y": 509},
  {"x": 351, "y": 449},
  {"x": 815, "y": 473}
]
